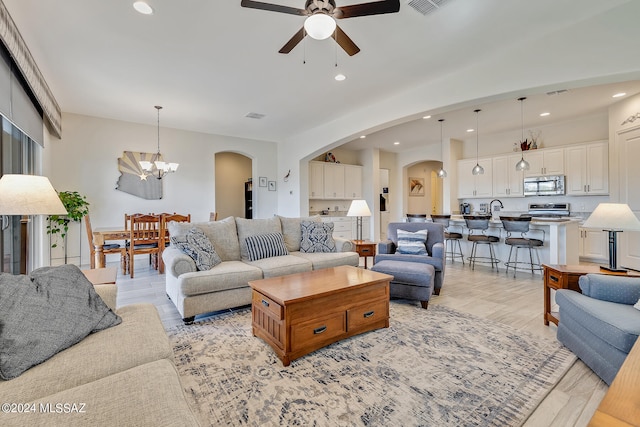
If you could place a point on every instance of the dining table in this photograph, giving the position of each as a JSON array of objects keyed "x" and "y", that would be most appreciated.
[{"x": 105, "y": 234}]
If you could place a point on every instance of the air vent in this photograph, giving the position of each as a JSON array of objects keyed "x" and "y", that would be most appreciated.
[
  {"x": 426, "y": 6},
  {"x": 255, "y": 115},
  {"x": 557, "y": 92}
]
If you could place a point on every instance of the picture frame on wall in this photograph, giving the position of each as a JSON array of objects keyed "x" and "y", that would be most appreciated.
[
  {"x": 272, "y": 186},
  {"x": 416, "y": 187},
  {"x": 262, "y": 181}
]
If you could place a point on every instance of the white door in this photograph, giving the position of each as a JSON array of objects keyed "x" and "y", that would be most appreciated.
[{"x": 629, "y": 175}]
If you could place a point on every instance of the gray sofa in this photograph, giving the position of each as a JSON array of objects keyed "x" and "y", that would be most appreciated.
[
  {"x": 600, "y": 325},
  {"x": 120, "y": 376},
  {"x": 226, "y": 285}
]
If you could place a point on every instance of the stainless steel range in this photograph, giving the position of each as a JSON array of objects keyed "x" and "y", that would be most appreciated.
[{"x": 549, "y": 210}]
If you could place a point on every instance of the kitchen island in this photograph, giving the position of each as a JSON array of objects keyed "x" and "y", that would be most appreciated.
[{"x": 561, "y": 239}]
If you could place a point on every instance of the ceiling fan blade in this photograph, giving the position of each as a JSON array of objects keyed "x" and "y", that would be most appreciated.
[
  {"x": 272, "y": 7},
  {"x": 293, "y": 42},
  {"x": 366, "y": 9},
  {"x": 345, "y": 42}
]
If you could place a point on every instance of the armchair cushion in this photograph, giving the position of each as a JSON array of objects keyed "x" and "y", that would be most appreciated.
[
  {"x": 618, "y": 289},
  {"x": 412, "y": 243}
]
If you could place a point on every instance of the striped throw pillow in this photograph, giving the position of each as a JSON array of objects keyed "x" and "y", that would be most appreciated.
[
  {"x": 267, "y": 245},
  {"x": 410, "y": 243}
]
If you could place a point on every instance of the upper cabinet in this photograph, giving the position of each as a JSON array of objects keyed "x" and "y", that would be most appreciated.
[
  {"x": 334, "y": 181},
  {"x": 470, "y": 185},
  {"x": 544, "y": 162},
  {"x": 507, "y": 181},
  {"x": 587, "y": 169}
]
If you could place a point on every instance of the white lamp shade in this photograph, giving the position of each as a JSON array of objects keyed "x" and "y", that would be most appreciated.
[
  {"x": 613, "y": 216},
  {"x": 319, "y": 26},
  {"x": 359, "y": 208},
  {"x": 29, "y": 195}
]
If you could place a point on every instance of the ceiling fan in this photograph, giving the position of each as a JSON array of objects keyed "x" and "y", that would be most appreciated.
[{"x": 321, "y": 15}]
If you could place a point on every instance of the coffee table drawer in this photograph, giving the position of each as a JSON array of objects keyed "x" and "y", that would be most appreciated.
[
  {"x": 367, "y": 314},
  {"x": 268, "y": 305},
  {"x": 311, "y": 333}
]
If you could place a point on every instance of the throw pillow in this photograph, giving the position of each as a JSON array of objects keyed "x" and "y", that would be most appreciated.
[
  {"x": 410, "y": 243},
  {"x": 266, "y": 245},
  {"x": 45, "y": 313},
  {"x": 317, "y": 237},
  {"x": 198, "y": 246}
]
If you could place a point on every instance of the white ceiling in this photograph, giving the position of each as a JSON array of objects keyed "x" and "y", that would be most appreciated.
[{"x": 210, "y": 62}]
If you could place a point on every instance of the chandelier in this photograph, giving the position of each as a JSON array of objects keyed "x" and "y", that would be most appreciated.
[{"x": 157, "y": 167}]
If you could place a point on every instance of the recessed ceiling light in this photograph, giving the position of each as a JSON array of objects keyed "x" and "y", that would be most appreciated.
[
  {"x": 545, "y": 114},
  {"x": 396, "y": 143},
  {"x": 620, "y": 94},
  {"x": 363, "y": 136},
  {"x": 470, "y": 130},
  {"x": 426, "y": 117},
  {"x": 143, "y": 7},
  {"x": 340, "y": 77}
]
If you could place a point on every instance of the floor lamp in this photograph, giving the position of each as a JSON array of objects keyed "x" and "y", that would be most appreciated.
[
  {"x": 27, "y": 195},
  {"x": 359, "y": 208},
  {"x": 614, "y": 218}
]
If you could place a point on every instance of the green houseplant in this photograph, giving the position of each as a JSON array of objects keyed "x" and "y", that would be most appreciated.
[{"x": 77, "y": 207}]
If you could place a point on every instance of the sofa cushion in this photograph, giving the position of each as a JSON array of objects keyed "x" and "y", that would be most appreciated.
[
  {"x": 222, "y": 234},
  {"x": 45, "y": 313},
  {"x": 281, "y": 265},
  {"x": 140, "y": 338},
  {"x": 412, "y": 243},
  {"x": 253, "y": 227},
  {"x": 292, "y": 231},
  {"x": 145, "y": 395},
  {"x": 198, "y": 246},
  {"x": 329, "y": 259},
  {"x": 224, "y": 276},
  {"x": 616, "y": 324},
  {"x": 317, "y": 237},
  {"x": 266, "y": 246}
]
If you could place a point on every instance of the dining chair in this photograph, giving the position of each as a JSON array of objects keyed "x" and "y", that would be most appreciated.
[
  {"x": 165, "y": 219},
  {"x": 110, "y": 248},
  {"x": 144, "y": 238}
]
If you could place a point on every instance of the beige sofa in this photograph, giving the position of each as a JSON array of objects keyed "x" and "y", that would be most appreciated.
[
  {"x": 226, "y": 285},
  {"x": 120, "y": 376}
]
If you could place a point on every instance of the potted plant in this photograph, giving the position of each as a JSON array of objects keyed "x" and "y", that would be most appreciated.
[{"x": 77, "y": 207}]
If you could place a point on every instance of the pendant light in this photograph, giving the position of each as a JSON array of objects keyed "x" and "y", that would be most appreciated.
[
  {"x": 522, "y": 165},
  {"x": 157, "y": 168},
  {"x": 441, "y": 173},
  {"x": 477, "y": 169}
]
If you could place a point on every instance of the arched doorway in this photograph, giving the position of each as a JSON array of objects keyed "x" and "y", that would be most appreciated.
[
  {"x": 424, "y": 188},
  {"x": 233, "y": 172}
]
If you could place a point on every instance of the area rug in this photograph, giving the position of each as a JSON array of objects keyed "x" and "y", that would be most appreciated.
[{"x": 435, "y": 367}]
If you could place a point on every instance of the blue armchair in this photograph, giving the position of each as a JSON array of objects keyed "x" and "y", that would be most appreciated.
[
  {"x": 600, "y": 325},
  {"x": 435, "y": 248}
]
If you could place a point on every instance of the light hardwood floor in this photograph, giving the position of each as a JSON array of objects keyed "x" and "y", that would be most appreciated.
[{"x": 482, "y": 292}]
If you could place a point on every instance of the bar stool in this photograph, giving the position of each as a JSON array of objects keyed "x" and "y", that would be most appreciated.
[
  {"x": 517, "y": 229},
  {"x": 416, "y": 217},
  {"x": 451, "y": 238},
  {"x": 478, "y": 226}
]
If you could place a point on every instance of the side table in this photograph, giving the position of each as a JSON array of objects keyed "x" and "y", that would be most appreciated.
[
  {"x": 365, "y": 249},
  {"x": 566, "y": 277}
]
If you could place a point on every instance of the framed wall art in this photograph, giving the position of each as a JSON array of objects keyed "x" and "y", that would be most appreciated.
[
  {"x": 272, "y": 186},
  {"x": 262, "y": 181},
  {"x": 416, "y": 186}
]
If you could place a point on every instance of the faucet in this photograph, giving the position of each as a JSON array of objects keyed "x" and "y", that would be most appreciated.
[{"x": 491, "y": 205}]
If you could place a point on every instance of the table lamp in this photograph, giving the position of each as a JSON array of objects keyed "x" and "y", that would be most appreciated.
[
  {"x": 28, "y": 195},
  {"x": 614, "y": 218},
  {"x": 359, "y": 208}
]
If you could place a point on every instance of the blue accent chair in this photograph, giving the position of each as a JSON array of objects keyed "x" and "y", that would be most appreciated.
[{"x": 600, "y": 325}]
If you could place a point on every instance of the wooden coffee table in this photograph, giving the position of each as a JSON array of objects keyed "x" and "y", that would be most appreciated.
[{"x": 300, "y": 313}]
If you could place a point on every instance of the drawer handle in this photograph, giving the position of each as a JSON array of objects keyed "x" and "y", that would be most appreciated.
[
  {"x": 265, "y": 303},
  {"x": 368, "y": 314},
  {"x": 319, "y": 330},
  {"x": 555, "y": 279}
]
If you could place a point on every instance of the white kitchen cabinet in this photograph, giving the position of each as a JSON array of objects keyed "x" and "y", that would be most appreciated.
[
  {"x": 353, "y": 181},
  {"x": 470, "y": 185},
  {"x": 587, "y": 169},
  {"x": 344, "y": 227},
  {"x": 316, "y": 180},
  {"x": 333, "y": 181},
  {"x": 544, "y": 162},
  {"x": 507, "y": 181},
  {"x": 594, "y": 245}
]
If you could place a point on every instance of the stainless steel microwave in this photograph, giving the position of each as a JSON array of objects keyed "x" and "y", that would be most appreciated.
[{"x": 544, "y": 185}]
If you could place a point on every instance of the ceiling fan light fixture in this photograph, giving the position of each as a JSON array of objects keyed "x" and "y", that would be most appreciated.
[
  {"x": 320, "y": 26},
  {"x": 340, "y": 77},
  {"x": 143, "y": 8}
]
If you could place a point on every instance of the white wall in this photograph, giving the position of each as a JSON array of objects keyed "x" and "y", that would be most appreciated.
[{"x": 85, "y": 160}]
